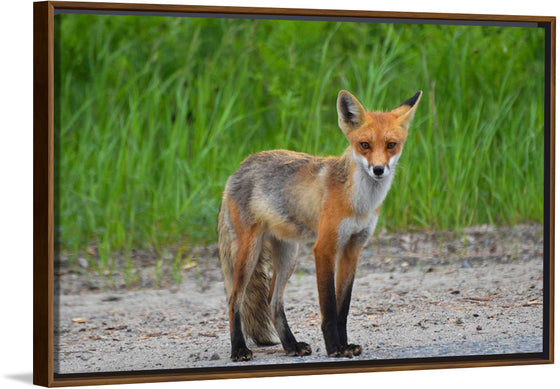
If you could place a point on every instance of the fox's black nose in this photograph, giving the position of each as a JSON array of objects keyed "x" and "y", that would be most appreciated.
[{"x": 378, "y": 170}]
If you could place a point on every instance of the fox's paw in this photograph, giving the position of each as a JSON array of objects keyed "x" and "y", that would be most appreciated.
[
  {"x": 337, "y": 352},
  {"x": 347, "y": 351},
  {"x": 241, "y": 354},
  {"x": 299, "y": 349},
  {"x": 355, "y": 349}
]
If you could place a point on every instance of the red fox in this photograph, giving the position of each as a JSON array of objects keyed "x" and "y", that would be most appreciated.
[{"x": 279, "y": 198}]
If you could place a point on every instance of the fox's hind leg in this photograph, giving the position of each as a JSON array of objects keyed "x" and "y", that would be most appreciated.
[
  {"x": 249, "y": 244},
  {"x": 284, "y": 261}
]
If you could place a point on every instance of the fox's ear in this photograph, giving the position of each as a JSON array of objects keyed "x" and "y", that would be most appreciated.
[
  {"x": 405, "y": 111},
  {"x": 351, "y": 113}
]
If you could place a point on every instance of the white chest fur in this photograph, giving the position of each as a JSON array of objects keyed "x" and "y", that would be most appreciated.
[
  {"x": 356, "y": 226},
  {"x": 367, "y": 195}
]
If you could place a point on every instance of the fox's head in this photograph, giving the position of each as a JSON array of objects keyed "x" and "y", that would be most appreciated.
[{"x": 376, "y": 138}]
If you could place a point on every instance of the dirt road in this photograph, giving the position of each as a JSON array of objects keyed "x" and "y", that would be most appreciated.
[{"x": 415, "y": 295}]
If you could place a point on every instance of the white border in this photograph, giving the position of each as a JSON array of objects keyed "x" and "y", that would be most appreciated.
[{"x": 16, "y": 216}]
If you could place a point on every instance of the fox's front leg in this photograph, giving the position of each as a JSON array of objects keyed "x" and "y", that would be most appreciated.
[
  {"x": 344, "y": 280},
  {"x": 324, "y": 252}
]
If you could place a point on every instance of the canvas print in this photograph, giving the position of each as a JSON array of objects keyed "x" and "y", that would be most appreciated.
[{"x": 241, "y": 191}]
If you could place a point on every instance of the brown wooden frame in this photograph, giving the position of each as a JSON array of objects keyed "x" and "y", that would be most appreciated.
[{"x": 43, "y": 210}]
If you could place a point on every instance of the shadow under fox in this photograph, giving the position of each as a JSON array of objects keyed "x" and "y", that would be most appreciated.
[{"x": 279, "y": 198}]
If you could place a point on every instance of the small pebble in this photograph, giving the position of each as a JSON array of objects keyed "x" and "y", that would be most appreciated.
[
  {"x": 479, "y": 328},
  {"x": 83, "y": 262},
  {"x": 214, "y": 357}
]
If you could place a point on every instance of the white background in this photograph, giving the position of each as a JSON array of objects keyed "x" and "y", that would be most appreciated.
[{"x": 16, "y": 216}]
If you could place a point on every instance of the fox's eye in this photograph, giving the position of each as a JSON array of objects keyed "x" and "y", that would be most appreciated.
[
  {"x": 365, "y": 145},
  {"x": 391, "y": 145}
]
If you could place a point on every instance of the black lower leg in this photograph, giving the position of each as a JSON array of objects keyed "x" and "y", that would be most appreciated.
[
  {"x": 239, "y": 350},
  {"x": 343, "y": 316},
  {"x": 347, "y": 349},
  {"x": 330, "y": 334},
  {"x": 329, "y": 325},
  {"x": 289, "y": 342}
]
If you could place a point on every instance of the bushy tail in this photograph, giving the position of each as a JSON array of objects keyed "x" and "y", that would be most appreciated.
[{"x": 255, "y": 311}]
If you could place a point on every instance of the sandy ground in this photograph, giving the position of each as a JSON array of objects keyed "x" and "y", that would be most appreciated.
[{"x": 415, "y": 295}]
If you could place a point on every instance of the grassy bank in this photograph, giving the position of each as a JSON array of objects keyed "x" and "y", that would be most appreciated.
[{"x": 155, "y": 114}]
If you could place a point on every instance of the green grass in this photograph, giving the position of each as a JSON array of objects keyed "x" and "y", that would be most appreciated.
[{"x": 155, "y": 114}]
